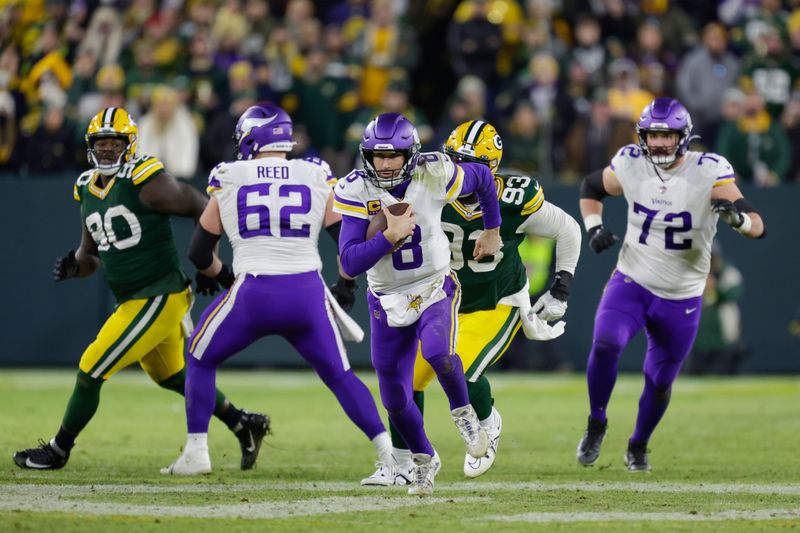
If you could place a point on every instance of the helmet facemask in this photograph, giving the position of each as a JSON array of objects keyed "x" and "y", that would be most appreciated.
[
  {"x": 400, "y": 176},
  {"x": 99, "y": 159},
  {"x": 663, "y": 155}
]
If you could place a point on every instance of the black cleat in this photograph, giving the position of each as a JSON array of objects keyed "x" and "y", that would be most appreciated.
[
  {"x": 254, "y": 426},
  {"x": 636, "y": 457},
  {"x": 45, "y": 457},
  {"x": 589, "y": 446}
]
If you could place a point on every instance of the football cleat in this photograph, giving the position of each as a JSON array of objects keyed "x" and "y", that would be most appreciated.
[
  {"x": 471, "y": 431},
  {"x": 589, "y": 447},
  {"x": 45, "y": 457},
  {"x": 384, "y": 476},
  {"x": 636, "y": 457},
  {"x": 190, "y": 463},
  {"x": 425, "y": 470},
  {"x": 475, "y": 467},
  {"x": 254, "y": 426}
]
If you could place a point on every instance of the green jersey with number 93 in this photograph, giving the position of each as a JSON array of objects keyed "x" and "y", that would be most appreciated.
[
  {"x": 485, "y": 282},
  {"x": 135, "y": 244}
]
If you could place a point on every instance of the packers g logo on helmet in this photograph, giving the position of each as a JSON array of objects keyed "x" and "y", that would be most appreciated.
[
  {"x": 475, "y": 141},
  {"x": 115, "y": 123}
]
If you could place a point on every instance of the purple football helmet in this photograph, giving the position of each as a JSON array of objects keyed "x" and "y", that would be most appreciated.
[
  {"x": 391, "y": 132},
  {"x": 263, "y": 127},
  {"x": 665, "y": 114}
]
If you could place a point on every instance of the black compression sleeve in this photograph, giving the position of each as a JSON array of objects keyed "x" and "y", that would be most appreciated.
[
  {"x": 333, "y": 231},
  {"x": 592, "y": 186},
  {"x": 202, "y": 247},
  {"x": 743, "y": 207}
]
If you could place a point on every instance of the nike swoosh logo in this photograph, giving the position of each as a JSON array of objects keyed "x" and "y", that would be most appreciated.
[
  {"x": 252, "y": 446},
  {"x": 690, "y": 310},
  {"x": 31, "y": 464}
]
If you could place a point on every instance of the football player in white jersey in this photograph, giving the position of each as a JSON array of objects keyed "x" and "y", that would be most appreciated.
[
  {"x": 675, "y": 198},
  {"x": 413, "y": 296},
  {"x": 272, "y": 210}
]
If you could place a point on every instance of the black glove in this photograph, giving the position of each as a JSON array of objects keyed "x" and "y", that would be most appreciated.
[
  {"x": 601, "y": 239},
  {"x": 66, "y": 267},
  {"x": 344, "y": 290},
  {"x": 208, "y": 286},
  {"x": 727, "y": 212}
]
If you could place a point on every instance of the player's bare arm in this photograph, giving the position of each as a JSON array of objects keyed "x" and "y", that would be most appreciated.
[
  {"x": 344, "y": 290},
  {"x": 728, "y": 201},
  {"x": 165, "y": 194}
]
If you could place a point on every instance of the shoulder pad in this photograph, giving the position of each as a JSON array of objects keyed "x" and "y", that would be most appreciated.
[
  {"x": 715, "y": 167},
  {"x": 626, "y": 156},
  {"x": 330, "y": 178},
  {"x": 83, "y": 180},
  {"x": 141, "y": 168}
]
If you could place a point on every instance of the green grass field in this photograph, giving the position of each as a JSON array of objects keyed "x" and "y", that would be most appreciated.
[{"x": 724, "y": 458}]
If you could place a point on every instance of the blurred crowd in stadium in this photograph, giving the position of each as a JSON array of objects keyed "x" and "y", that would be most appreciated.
[{"x": 564, "y": 80}]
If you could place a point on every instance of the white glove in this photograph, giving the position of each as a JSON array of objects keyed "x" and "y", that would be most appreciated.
[
  {"x": 538, "y": 330},
  {"x": 549, "y": 308}
]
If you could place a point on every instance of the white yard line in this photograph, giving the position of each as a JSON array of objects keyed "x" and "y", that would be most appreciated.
[
  {"x": 49, "y": 498},
  {"x": 27, "y": 489},
  {"x": 279, "y": 509},
  {"x": 758, "y": 514}
]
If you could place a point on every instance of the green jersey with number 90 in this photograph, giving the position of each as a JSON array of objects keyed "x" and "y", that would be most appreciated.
[
  {"x": 135, "y": 244},
  {"x": 485, "y": 282}
]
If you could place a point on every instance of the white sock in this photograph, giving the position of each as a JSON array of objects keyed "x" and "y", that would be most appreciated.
[
  {"x": 402, "y": 457},
  {"x": 487, "y": 422},
  {"x": 196, "y": 441},
  {"x": 383, "y": 445}
]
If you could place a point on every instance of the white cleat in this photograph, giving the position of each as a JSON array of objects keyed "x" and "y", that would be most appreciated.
[
  {"x": 425, "y": 470},
  {"x": 474, "y": 435},
  {"x": 390, "y": 475},
  {"x": 190, "y": 463},
  {"x": 475, "y": 467}
]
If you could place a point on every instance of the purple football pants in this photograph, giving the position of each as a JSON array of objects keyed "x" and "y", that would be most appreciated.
[
  {"x": 671, "y": 327},
  {"x": 394, "y": 350},
  {"x": 292, "y": 306}
]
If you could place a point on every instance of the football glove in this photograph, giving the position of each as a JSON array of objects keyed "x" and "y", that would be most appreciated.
[
  {"x": 727, "y": 212},
  {"x": 344, "y": 290},
  {"x": 208, "y": 286},
  {"x": 601, "y": 239},
  {"x": 552, "y": 305},
  {"x": 66, "y": 267}
]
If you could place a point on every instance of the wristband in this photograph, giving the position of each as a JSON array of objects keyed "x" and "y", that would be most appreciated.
[
  {"x": 746, "y": 224},
  {"x": 592, "y": 221}
]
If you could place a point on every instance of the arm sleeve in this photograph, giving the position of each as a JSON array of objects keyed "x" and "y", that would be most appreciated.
[
  {"x": 592, "y": 186},
  {"x": 201, "y": 249},
  {"x": 356, "y": 254},
  {"x": 479, "y": 179},
  {"x": 554, "y": 223}
]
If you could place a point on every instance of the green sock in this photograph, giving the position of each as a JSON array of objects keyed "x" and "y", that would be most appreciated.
[
  {"x": 480, "y": 396},
  {"x": 397, "y": 440},
  {"x": 223, "y": 409},
  {"x": 81, "y": 407}
]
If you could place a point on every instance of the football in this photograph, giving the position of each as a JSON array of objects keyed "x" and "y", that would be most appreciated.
[{"x": 378, "y": 222}]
